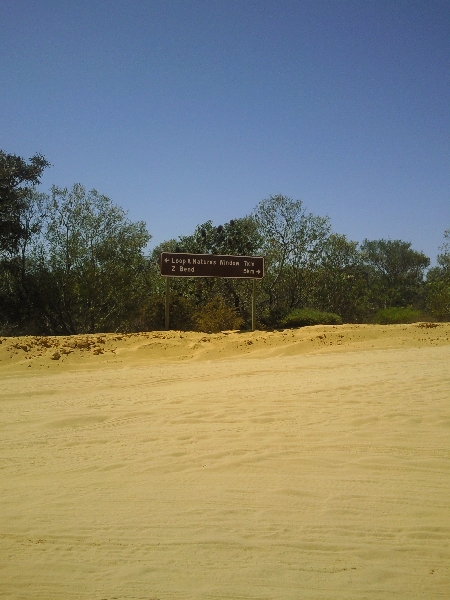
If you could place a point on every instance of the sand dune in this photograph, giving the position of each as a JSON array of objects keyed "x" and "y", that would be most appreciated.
[{"x": 296, "y": 464}]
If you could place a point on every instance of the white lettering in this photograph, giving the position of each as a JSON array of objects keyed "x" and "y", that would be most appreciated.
[
  {"x": 229, "y": 263},
  {"x": 202, "y": 261}
]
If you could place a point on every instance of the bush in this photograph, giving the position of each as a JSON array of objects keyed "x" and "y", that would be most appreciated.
[
  {"x": 152, "y": 313},
  {"x": 438, "y": 301},
  {"x": 216, "y": 316},
  {"x": 302, "y": 317},
  {"x": 396, "y": 315}
]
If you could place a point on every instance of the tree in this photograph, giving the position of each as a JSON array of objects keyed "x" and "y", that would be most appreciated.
[
  {"x": 438, "y": 283},
  {"x": 443, "y": 258},
  {"x": 17, "y": 293},
  {"x": 237, "y": 237},
  {"x": 14, "y": 173},
  {"x": 339, "y": 283},
  {"x": 395, "y": 270},
  {"x": 89, "y": 267},
  {"x": 292, "y": 244}
]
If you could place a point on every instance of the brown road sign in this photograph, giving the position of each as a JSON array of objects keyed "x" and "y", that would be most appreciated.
[{"x": 183, "y": 264}]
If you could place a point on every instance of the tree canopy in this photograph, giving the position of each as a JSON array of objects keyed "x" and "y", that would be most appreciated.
[
  {"x": 17, "y": 178},
  {"x": 396, "y": 271},
  {"x": 71, "y": 261}
]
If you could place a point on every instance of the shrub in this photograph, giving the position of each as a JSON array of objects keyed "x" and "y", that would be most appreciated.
[
  {"x": 301, "y": 317},
  {"x": 438, "y": 301},
  {"x": 216, "y": 316},
  {"x": 395, "y": 315},
  {"x": 152, "y": 313}
]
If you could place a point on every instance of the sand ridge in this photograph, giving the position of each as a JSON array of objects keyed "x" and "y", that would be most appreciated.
[{"x": 101, "y": 349}]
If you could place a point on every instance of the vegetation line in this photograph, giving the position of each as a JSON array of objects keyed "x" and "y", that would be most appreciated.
[{"x": 72, "y": 262}]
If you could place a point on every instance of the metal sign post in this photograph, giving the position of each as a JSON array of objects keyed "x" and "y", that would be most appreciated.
[
  {"x": 254, "y": 306},
  {"x": 184, "y": 264},
  {"x": 166, "y": 315}
]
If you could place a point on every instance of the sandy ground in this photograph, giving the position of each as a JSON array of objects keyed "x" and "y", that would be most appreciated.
[{"x": 303, "y": 464}]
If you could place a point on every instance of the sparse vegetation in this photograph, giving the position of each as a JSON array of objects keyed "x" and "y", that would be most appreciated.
[
  {"x": 395, "y": 315},
  {"x": 302, "y": 317},
  {"x": 217, "y": 316}
]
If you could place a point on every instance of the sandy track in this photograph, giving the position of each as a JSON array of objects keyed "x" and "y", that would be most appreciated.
[{"x": 305, "y": 464}]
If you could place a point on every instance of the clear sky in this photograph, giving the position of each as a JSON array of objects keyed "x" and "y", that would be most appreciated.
[{"x": 187, "y": 110}]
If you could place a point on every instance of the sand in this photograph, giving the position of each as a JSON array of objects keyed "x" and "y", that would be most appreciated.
[{"x": 296, "y": 464}]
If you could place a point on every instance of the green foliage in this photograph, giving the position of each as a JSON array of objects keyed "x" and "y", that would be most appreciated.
[
  {"x": 302, "y": 317},
  {"x": 395, "y": 272},
  {"x": 87, "y": 271},
  {"x": 338, "y": 284},
  {"x": 238, "y": 236},
  {"x": 438, "y": 284},
  {"x": 151, "y": 316},
  {"x": 396, "y": 315},
  {"x": 216, "y": 315},
  {"x": 72, "y": 262},
  {"x": 443, "y": 258},
  {"x": 292, "y": 244},
  {"x": 438, "y": 299},
  {"x": 18, "y": 305},
  {"x": 14, "y": 173}
]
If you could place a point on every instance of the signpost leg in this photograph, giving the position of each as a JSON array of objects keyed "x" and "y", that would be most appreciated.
[
  {"x": 254, "y": 306},
  {"x": 167, "y": 303}
]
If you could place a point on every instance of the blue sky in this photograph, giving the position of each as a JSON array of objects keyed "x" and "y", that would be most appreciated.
[{"x": 184, "y": 111}]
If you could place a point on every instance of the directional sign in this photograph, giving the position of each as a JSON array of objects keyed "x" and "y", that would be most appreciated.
[{"x": 182, "y": 264}]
